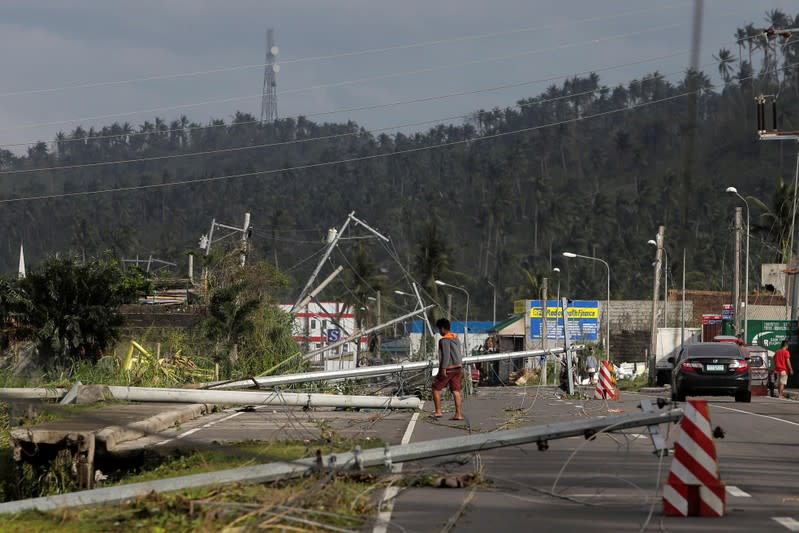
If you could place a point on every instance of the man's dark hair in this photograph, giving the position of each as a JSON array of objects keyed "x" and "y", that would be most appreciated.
[
  {"x": 784, "y": 343},
  {"x": 443, "y": 323}
]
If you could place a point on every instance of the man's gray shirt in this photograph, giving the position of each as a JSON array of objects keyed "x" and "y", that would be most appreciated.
[{"x": 449, "y": 352}]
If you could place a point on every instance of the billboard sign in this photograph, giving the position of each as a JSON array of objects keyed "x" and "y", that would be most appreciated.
[
  {"x": 770, "y": 333},
  {"x": 583, "y": 317}
]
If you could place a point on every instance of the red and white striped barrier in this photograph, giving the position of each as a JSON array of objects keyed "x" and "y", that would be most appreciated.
[
  {"x": 694, "y": 487},
  {"x": 606, "y": 384}
]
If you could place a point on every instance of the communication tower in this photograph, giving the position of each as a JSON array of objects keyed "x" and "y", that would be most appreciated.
[{"x": 269, "y": 92}]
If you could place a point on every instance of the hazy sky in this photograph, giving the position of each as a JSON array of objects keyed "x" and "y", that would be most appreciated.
[{"x": 71, "y": 42}]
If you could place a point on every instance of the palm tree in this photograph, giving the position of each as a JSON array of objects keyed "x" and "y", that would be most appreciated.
[{"x": 725, "y": 60}]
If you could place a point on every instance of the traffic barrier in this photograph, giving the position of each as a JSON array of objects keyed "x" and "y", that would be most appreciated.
[
  {"x": 694, "y": 487},
  {"x": 606, "y": 388}
]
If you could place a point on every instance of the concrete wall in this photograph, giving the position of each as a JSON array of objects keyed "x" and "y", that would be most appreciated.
[{"x": 636, "y": 315}]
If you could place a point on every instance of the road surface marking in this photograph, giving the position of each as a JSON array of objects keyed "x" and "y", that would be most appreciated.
[
  {"x": 715, "y": 405},
  {"x": 735, "y": 491},
  {"x": 787, "y": 521},
  {"x": 384, "y": 517},
  {"x": 195, "y": 430}
]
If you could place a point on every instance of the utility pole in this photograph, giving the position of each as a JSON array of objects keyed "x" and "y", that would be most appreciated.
[
  {"x": 682, "y": 308},
  {"x": 269, "y": 90},
  {"x": 379, "y": 321},
  {"x": 736, "y": 286},
  {"x": 544, "y": 332},
  {"x": 449, "y": 307},
  {"x": 246, "y": 232},
  {"x": 567, "y": 344},
  {"x": 653, "y": 329}
]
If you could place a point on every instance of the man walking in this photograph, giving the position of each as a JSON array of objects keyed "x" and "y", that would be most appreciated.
[
  {"x": 590, "y": 367},
  {"x": 782, "y": 366},
  {"x": 450, "y": 369}
]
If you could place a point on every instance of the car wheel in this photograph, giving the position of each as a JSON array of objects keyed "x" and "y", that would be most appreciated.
[{"x": 743, "y": 396}]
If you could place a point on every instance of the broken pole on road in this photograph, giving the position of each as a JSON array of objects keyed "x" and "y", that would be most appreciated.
[{"x": 269, "y": 472}]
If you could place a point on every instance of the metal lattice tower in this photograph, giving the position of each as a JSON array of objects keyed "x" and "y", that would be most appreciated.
[{"x": 269, "y": 98}]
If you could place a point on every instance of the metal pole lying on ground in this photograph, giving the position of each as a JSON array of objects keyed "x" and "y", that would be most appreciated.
[
  {"x": 373, "y": 457},
  {"x": 152, "y": 394},
  {"x": 371, "y": 371}
]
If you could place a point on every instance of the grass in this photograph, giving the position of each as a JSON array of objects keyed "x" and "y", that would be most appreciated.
[
  {"x": 310, "y": 504},
  {"x": 633, "y": 385}
]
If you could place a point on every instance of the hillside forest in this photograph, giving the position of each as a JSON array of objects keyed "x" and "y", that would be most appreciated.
[{"x": 492, "y": 199}]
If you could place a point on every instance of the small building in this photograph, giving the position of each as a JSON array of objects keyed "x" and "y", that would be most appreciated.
[{"x": 317, "y": 325}]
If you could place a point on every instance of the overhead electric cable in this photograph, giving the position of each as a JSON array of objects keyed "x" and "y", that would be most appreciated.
[
  {"x": 360, "y": 108},
  {"x": 342, "y": 161},
  {"x": 345, "y": 82},
  {"x": 355, "y": 53},
  {"x": 347, "y": 134},
  {"x": 369, "y": 157}
]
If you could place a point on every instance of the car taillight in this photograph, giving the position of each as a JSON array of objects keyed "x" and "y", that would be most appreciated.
[
  {"x": 739, "y": 365},
  {"x": 690, "y": 366}
]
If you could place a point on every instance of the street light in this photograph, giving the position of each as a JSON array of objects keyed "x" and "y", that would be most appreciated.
[
  {"x": 733, "y": 190},
  {"x": 557, "y": 271},
  {"x": 665, "y": 283},
  {"x": 466, "y": 322},
  {"x": 571, "y": 255}
]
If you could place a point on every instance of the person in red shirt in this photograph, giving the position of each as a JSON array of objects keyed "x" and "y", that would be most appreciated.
[{"x": 782, "y": 366}]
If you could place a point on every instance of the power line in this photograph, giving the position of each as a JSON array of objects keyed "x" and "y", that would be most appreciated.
[
  {"x": 355, "y": 133},
  {"x": 343, "y": 161},
  {"x": 369, "y": 157},
  {"x": 346, "y": 82},
  {"x": 336, "y": 56},
  {"x": 364, "y": 108}
]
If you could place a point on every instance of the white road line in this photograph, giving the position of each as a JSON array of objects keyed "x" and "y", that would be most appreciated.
[
  {"x": 384, "y": 517},
  {"x": 732, "y": 490},
  {"x": 787, "y": 522},
  {"x": 195, "y": 430},
  {"x": 717, "y": 406}
]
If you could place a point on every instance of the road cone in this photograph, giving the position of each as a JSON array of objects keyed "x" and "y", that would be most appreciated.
[{"x": 694, "y": 487}]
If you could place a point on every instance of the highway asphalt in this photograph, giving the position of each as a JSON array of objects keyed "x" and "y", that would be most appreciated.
[{"x": 611, "y": 483}]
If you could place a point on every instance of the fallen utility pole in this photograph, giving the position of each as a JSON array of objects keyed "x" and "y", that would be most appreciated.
[
  {"x": 350, "y": 460},
  {"x": 152, "y": 394},
  {"x": 371, "y": 371},
  {"x": 38, "y": 393}
]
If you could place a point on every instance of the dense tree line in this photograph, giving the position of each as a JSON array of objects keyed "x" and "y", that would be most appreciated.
[{"x": 582, "y": 166}]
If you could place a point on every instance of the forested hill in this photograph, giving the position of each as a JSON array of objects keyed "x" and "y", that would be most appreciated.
[{"x": 581, "y": 167}]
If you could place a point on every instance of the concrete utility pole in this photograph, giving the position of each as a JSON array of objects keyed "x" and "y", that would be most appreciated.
[
  {"x": 682, "y": 308},
  {"x": 449, "y": 307},
  {"x": 736, "y": 285},
  {"x": 653, "y": 330},
  {"x": 544, "y": 330},
  {"x": 378, "y": 340},
  {"x": 566, "y": 344},
  {"x": 245, "y": 236}
]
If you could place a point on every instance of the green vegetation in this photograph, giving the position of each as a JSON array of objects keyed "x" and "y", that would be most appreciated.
[
  {"x": 633, "y": 385},
  {"x": 496, "y": 209},
  {"x": 341, "y": 500},
  {"x": 69, "y": 308}
]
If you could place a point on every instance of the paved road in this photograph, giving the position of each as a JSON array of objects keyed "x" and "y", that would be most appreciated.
[
  {"x": 611, "y": 481},
  {"x": 610, "y": 484}
]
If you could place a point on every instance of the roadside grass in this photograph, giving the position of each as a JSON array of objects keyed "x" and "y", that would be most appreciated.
[
  {"x": 633, "y": 385},
  {"x": 313, "y": 503}
]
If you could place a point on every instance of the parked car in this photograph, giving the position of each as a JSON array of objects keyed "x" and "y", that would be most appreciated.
[
  {"x": 758, "y": 359},
  {"x": 713, "y": 369}
]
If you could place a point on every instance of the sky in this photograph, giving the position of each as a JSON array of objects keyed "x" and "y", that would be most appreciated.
[{"x": 458, "y": 45}]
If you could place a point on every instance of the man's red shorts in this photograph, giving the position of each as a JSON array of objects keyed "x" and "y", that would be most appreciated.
[{"x": 449, "y": 376}]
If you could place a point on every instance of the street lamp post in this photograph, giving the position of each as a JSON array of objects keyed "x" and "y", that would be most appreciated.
[
  {"x": 571, "y": 255},
  {"x": 466, "y": 322},
  {"x": 733, "y": 190},
  {"x": 557, "y": 271}
]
